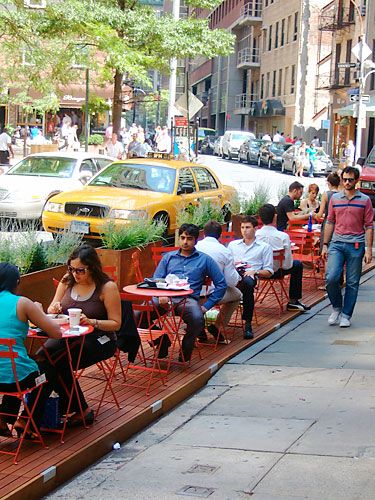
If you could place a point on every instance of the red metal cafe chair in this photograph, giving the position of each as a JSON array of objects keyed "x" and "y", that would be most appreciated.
[
  {"x": 112, "y": 272},
  {"x": 10, "y": 354},
  {"x": 158, "y": 252},
  {"x": 226, "y": 237},
  {"x": 147, "y": 360},
  {"x": 137, "y": 266},
  {"x": 273, "y": 287},
  {"x": 308, "y": 254}
]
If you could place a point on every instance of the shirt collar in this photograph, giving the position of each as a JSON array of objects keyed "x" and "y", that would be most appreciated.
[{"x": 357, "y": 194}]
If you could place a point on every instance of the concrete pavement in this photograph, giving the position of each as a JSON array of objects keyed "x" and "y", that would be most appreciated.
[{"x": 292, "y": 417}]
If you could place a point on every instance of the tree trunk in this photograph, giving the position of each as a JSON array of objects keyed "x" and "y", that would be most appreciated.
[{"x": 117, "y": 102}]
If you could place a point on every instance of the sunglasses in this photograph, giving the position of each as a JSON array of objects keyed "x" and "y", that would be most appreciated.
[
  {"x": 348, "y": 179},
  {"x": 78, "y": 270}
]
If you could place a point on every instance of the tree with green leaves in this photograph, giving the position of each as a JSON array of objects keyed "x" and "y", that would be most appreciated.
[{"x": 114, "y": 38}]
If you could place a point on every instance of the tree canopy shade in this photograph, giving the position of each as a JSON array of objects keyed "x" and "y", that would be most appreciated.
[{"x": 113, "y": 38}]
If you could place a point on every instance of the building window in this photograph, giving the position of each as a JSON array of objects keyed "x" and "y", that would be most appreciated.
[
  {"x": 273, "y": 83},
  {"x": 270, "y": 38},
  {"x": 337, "y": 60},
  {"x": 280, "y": 82},
  {"x": 267, "y": 86},
  {"x": 262, "y": 87},
  {"x": 293, "y": 79},
  {"x": 348, "y": 57},
  {"x": 289, "y": 29},
  {"x": 282, "y": 40},
  {"x": 295, "y": 31},
  {"x": 264, "y": 40},
  {"x": 277, "y": 35},
  {"x": 266, "y": 3},
  {"x": 286, "y": 76}
]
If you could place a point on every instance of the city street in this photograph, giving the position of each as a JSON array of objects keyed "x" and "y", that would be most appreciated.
[{"x": 245, "y": 177}]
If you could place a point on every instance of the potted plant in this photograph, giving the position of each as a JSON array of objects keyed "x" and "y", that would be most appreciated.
[
  {"x": 201, "y": 214},
  {"x": 38, "y": 261},
  {"x": 250, "y": 206},
  {"x": 121, "y": 240},
  {"x": 95, "y": 140}
]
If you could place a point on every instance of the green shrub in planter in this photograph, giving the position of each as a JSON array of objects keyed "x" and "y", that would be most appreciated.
[
  {"x": 96, "y": 140},
  {"x": 260, "y": 196},
  {"x": 58, "y": 250},
  {"x": 138, "y": 233},
  {"x": 201, "y": 214}
]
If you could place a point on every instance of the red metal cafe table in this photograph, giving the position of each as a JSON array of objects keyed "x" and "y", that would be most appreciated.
[
  {"x": 169, "y": 320},
  {"x": 67, "y": 335}
]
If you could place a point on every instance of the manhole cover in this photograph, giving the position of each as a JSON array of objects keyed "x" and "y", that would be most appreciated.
[
  {"x": 345, "y": 342},
  {"x": 195, "y": 491},
  {"x": 202, "y": 469}
]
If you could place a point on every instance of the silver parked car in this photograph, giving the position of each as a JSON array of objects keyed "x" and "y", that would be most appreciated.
[
  {"x": 218, "y": 146},
  {"x": 322, "y": 166}
]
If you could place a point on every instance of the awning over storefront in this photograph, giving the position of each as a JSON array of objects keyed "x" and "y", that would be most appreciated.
[{"x": 350, "y": 109}]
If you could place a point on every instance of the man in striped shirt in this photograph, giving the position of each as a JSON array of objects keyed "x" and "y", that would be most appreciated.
[{"x": 349, "y": 234}]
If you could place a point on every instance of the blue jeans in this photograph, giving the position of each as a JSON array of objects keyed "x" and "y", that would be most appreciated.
[
  {"x": 340, "y": 254},
  {"x": 311, "y": 169}
]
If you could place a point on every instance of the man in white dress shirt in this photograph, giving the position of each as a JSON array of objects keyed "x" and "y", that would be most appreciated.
[
  {"x": 279, "y": 241},
  {"x": 223, "y": 258},
  {"x": 252, "y": 258}
]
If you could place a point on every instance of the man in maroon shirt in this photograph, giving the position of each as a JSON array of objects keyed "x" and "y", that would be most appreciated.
[{"x": 349, "y": 233}]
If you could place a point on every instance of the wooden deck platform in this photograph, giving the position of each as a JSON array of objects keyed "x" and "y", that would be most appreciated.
[{"x": 41, "y": 470}]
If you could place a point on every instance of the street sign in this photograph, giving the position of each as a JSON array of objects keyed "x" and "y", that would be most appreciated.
[
  {"x": 180, "y": 121},
  {"x": 365, "y": 98},
  {"x": 347, "y": 65},
  {"x": 366, "y": 51},
  {"x": 354, "y": 98}
]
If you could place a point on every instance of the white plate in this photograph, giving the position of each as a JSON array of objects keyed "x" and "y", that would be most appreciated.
[{"x": 82, "y": 329}]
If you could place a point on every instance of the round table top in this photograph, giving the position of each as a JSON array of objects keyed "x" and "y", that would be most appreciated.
[
  {"x": 66, "y": 333},
  {"x": 156, "y": 292}
]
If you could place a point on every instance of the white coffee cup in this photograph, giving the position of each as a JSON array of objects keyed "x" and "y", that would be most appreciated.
[{"x": 74, "y": 316}]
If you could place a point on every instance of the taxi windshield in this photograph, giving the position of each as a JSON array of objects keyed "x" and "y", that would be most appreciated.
[
  {"x": 141, "y": 176},
  {"x": 44, "y": 166}
]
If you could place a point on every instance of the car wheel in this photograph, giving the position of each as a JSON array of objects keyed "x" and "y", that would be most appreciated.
[
  {"x": 269, "y": 164},
  {"x": 259, "y": 162},
  {"x": 227, "y": 214},
  {"x": 163, "y": 217},
  {"x": 294, "y": 169}
]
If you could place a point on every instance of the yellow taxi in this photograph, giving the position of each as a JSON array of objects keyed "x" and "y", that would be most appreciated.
[{"x": 134, "y": 189}]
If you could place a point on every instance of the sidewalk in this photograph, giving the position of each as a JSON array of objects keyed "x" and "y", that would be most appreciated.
[{"x": 292, "y": 417}]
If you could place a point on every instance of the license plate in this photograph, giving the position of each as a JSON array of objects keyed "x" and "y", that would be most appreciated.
[{"x": 77, "y": 226}]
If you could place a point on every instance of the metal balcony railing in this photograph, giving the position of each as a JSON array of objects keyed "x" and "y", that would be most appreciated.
[
  {"x": 248, "y": 57},
  {"x": 252, "y": 11},
  {"x": 245, "y": 101}
]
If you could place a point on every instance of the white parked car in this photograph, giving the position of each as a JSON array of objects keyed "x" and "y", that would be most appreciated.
[
  {"x": 25, "y": 187},
  {"x": 322, "y": 166},
  {"x": 232, "y": 141}
]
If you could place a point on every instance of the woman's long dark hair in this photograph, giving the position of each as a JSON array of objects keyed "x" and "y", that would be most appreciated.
[
  {"x": 88, "y": 256},
  {"x": 9, "y": 277}
]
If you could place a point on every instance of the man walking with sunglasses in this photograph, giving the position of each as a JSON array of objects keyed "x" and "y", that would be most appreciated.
[{"x": 349, "y": 234}]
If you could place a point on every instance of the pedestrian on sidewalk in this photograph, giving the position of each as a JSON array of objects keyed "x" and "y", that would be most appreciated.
[{"x": 349, "y": 229}]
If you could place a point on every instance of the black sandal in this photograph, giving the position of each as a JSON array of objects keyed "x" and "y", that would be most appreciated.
[{"x": 4, "y": 429}]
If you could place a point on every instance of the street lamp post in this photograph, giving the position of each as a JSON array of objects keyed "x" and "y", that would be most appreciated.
[{"x": 87, "y": 115}]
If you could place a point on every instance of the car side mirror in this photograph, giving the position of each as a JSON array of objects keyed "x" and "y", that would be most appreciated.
[
  {"x": 85, "y": 176},
  {"x": 185, "y": 189}
]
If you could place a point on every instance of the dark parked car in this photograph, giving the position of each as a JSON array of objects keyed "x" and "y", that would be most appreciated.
[
  {"x": 208, "y": 144},
  {"x": 249, "y": 150},
  {"x": 270, "y": 154},
  {"x": 367, "y": 177}
]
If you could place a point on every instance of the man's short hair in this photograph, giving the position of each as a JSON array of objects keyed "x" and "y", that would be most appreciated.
[
  {"x": 250, "y": 218},
  {"x": 295, "y": 185},
  {"x": 189, "y": 229},
  {"x": 351, "y": 170},
  {"x": 267, "y": 213},
  {"x": 213, "y": 229}
]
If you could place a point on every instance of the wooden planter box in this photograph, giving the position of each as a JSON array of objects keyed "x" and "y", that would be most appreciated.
[
  {"x": 38, "y": 286},
  {"x": 121, "y": 259},
  {"x": 236, "y": 225}
]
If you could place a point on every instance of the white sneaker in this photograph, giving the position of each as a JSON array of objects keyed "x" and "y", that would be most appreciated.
[
  {"x": 344, "y": 322},
  {"x": 334, "y": 318}
]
